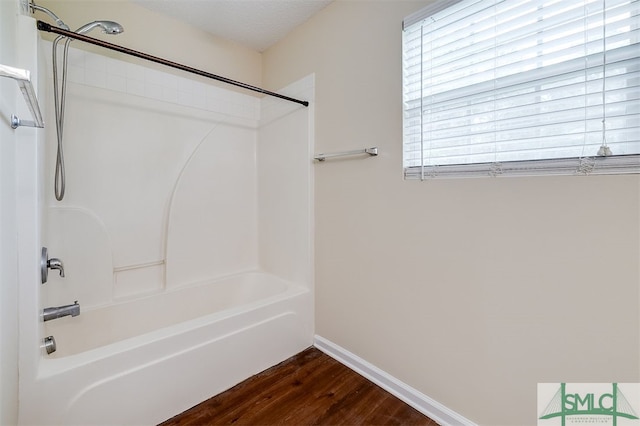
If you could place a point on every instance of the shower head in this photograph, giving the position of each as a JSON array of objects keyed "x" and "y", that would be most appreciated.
[
  {"x": 51, "y": 14},
  {"x": 108, "y": 27}
]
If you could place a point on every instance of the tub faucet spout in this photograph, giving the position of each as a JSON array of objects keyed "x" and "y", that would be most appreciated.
[{"x": 61, "y": 311}]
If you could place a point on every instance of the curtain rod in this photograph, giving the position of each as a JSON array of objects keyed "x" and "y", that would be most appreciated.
[{"x": 43, "y": 26}]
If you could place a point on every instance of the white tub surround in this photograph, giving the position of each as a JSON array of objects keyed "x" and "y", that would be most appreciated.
[{"x": 186, "y": 237}]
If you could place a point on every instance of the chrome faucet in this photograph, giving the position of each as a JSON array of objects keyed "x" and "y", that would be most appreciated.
[
  {"x": 55, "y": 263},
  {"x": 61, "y": 311},
  {"x": 46, "y": 264}
]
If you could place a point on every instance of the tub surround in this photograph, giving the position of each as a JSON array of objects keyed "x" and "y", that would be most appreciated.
[
  {"x": 161, "y": 177},
  {"x": 175, "y": 235}
]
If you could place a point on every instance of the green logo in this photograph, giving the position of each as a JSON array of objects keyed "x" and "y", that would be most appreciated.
[{"x": 588, "y": 403}]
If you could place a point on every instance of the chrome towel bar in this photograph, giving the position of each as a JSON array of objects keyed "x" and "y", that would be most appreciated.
[
  {"x": 23, "y": 78},
  {"x": 371, "y": 151}
]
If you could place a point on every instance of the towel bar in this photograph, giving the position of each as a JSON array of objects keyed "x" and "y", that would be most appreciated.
[
  {"x": 371, "y": 151},
  {"x": 23, "y": 78}
]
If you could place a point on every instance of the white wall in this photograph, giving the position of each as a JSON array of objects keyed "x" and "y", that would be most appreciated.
[
  {"x": 8, "y": 223},
  {"x": 471, "y": 291}
]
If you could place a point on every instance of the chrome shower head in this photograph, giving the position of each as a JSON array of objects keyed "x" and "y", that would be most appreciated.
[
  {"x": 59, "y": 22},
  {"x": 108, "y": 27}
]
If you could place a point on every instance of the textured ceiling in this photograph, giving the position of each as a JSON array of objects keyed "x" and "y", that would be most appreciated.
[{"x": 257, "y": 24}]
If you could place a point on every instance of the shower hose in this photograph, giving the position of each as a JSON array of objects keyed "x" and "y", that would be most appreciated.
[{"x": 59, "y": 100}]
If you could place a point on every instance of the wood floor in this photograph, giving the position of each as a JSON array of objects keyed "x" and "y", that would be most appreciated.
[{"x": 309, "y": 388}]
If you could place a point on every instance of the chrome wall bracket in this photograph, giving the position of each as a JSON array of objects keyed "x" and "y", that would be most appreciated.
[{"x": 16, "y": 122}]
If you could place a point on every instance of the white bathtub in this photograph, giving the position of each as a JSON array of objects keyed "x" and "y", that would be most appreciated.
[{"x": 144, "y": 361}]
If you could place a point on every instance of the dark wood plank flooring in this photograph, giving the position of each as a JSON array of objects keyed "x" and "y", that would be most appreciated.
[{"x": 309, "y": 388}]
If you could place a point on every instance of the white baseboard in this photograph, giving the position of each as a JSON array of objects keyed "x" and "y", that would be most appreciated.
[{"x": 421, "y": 402}]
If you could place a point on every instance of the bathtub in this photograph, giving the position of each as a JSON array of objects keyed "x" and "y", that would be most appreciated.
[{"x": 143, "y": 361}]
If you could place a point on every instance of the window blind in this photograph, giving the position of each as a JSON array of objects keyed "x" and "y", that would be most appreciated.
[{"x": 522, "y": 87}]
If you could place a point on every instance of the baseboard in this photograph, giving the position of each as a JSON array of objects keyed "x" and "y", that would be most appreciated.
[{"x": 421, "y": 402}]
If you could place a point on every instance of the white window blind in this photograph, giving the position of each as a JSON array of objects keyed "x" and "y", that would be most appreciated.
[{"x": 522, "y": 87}]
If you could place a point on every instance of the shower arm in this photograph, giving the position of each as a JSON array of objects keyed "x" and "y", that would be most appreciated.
[
  {"x": 43, "y": 26},
  {"x": 51, "y": 14}
]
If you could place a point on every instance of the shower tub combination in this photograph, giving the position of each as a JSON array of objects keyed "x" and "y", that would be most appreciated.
[
  {"x": 127, "y": 371},
  {"x": 185, "y": 233}
]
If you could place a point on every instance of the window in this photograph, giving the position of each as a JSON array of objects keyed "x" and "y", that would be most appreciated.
[{"x": 497, "y": 87}]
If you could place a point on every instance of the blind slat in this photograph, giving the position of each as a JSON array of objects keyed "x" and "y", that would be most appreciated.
[{"x": 514, "y": 80}]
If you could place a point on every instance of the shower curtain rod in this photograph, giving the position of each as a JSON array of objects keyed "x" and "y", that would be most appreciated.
[{"x": 43, "y": 26}]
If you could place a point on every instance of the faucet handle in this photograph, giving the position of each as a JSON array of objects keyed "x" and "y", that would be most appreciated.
[
  {"x": 55, "y": 263},
  {"x": 46, "y": 264}
]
